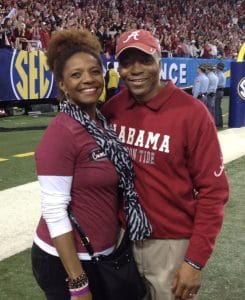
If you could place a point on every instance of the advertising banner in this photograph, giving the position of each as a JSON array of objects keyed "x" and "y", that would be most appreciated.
[{"x": 25, "y": 75}]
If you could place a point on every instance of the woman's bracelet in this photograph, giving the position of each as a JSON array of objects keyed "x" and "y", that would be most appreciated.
[
  {"x": 79, "y": 292},
  {"x": 80, "y": 282}
]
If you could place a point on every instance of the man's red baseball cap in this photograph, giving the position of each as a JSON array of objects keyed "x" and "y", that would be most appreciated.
[{"x": 140, "y": 39}]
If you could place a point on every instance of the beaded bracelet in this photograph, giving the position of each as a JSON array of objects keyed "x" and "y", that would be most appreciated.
[
  {"x": 79, "y": 282},
  {"x": 79, "y": 292}
]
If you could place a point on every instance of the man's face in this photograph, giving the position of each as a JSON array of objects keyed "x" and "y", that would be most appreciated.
[{"x": 140, "y": 73}]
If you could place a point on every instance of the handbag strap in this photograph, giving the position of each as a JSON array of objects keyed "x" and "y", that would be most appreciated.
[{"x": 84, "y": 238}]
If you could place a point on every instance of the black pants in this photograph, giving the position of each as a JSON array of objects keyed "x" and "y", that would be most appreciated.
[
  {"x": 218, "y": 108},
  {"x": 51, "y": 276}
]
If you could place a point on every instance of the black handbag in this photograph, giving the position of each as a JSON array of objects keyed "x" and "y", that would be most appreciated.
[{"x": 116, "y": 275}]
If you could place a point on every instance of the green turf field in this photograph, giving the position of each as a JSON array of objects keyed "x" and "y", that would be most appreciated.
[
  {"x": 223, "y": 278},
  {"x": 19, "y": 135}
]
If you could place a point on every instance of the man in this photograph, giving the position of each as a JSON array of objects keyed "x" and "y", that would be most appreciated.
[
  {"x": 182, "y": 49},
  {"x": 219, "y": 94},
  {"x": 111, "y": 81},
  {"x": 200, "y": 86},
  {"x": 194, "y": 52},
  {"x": 212, "y": 87},
  {"x": 179, "y": 170},
  {"x": 101, "y": 35}
]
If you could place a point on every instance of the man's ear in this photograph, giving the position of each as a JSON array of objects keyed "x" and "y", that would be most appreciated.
[
  {"x": 119, "y": 69},
  {"x": 160, "y": 63},
  {"x": 160, "y": 67}
]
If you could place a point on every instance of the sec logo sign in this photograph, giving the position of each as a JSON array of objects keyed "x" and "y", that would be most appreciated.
[
  {"x": 241, "y": 88},
  {"x": 30, "y": 75}
]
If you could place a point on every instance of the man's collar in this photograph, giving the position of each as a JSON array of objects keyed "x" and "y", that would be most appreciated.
[{"x": 159, "y": 100}]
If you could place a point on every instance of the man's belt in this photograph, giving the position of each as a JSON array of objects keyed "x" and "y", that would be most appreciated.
[
  {"x": 211, "y": 94},
  {"x": 220, "y": 89},
  {"x": 202, "y": 95}
]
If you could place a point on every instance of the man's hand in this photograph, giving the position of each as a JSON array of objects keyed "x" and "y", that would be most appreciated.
[{"x": 186, "y": 282}]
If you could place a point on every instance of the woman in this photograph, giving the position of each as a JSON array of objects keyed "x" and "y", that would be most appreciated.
[{"x": 81, "y": 164}]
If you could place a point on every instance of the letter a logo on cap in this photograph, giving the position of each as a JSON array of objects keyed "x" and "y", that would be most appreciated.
[{"x": 133, "y": 35}]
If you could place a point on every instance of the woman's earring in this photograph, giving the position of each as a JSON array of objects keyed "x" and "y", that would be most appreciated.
[{"x": 66, "y": 96}]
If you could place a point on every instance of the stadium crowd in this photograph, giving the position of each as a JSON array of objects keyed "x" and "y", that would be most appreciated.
[{"x": 185, "y": 28}]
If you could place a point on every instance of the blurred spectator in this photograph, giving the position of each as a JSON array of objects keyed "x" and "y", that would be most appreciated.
[
  {"x": 100, "y": 33},
  {"x": 206, "y": 51},
  {"x": 194, "y": 51},
  {"x": 111, "y": 81},
  {"x": 45, "y": 34},
  {"x": 21, "y": 34},
  {"x": 213, "y": 49},
  {"x": 6, "y": 32},
  {"x": 182, "y": 49}
]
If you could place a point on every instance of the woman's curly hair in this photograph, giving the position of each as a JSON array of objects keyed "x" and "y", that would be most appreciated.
[{"x": 65, "y": 43}]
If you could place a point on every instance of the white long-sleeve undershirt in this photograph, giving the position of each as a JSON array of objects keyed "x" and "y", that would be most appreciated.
[{"x": 55, "y": 197}]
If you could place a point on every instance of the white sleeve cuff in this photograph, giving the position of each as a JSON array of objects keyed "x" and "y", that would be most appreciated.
[
  {"x": 55, "y": 197},
  {"x": 60, "y": 227}
]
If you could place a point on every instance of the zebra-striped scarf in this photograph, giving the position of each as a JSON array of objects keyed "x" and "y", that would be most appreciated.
[{"x": 137, "y": 222}]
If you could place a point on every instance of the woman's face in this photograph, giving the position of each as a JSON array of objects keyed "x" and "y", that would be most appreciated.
[{"x": 82, "y": 81}]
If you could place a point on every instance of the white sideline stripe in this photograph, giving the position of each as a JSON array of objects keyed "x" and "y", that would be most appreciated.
[
  {"x": 232, "y": 142},
  {"x": 19, "y": 214},
  {"x": 20, "y": 206}
]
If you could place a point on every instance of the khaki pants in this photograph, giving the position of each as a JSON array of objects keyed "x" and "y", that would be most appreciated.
[{"x": 157, "y": 262}]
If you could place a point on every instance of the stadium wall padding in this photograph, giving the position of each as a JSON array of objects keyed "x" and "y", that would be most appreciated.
[
  {"x": 237, "y": 98},
  {"x": 25, "y": 75}
]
